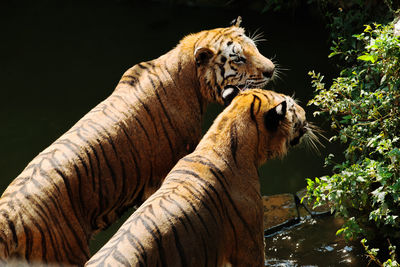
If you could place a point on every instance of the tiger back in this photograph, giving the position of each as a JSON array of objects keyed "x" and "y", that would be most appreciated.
[
  {"x": 208, "y": 211},
  {"x": 117, "y": 155}
]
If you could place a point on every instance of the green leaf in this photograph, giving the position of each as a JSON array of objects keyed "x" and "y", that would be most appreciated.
[
  {"x": 340, "y": 231},
  {"x": 367, "y": 57}
]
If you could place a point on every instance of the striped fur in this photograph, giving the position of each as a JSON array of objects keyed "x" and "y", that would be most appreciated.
[
  {"x": 116, "y": 156},
  {"x": 208, "y": 211}
]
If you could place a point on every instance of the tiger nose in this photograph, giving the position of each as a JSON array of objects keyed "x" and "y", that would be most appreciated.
[{"x": 269, "y": 72}]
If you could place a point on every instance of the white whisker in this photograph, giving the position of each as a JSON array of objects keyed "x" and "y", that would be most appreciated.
[
  {"x": 311, "y": 139},
  {"x": 257, "y": 36}
]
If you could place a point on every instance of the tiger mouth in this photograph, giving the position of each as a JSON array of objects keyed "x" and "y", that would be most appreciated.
[
  {"x": 296, "y": 140},
  {"x": 253, "y": 85},
  {"x": 301, "y": 132}
]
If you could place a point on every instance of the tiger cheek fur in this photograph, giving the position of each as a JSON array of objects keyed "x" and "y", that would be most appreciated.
[
  {"x": 117, "y": 155},
  {"x": 231, "y": 61},
  {"x": 208, "y": 211}
]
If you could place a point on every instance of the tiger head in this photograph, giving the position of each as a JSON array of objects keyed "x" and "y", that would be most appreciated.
[
  {"x": 274, "y": 120},
  {"x": 226, "y": 56}
]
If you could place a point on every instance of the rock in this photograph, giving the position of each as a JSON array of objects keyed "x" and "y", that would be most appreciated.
[
  {"x": 279, "y": 211},
  {"x": 318, "y": 211},
  {"x": 285, "y": 210}
]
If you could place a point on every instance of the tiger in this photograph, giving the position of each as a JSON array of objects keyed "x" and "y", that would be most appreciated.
[
  {"x": 208, "y": 211},
  {"x": 117, "y": 154}
]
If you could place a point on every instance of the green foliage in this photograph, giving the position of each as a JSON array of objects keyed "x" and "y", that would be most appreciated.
[
  {"x": 363, "y": 107},
  {"x": 372, "y": 253},
  {"x": 343, "y": 18}
]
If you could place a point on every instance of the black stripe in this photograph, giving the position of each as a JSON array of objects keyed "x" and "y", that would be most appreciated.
[
  {"x": 156, "y": 234},
  {"x": 217, "y": 37},
  {"x": 150, "y": 63},
  {"x": 161, "y": 103},
  {"x": 45, "y": 218},
  {"x": 130, "y": 106},
  {"x": 64, "y": 239},
  {"x": 109, "y": 165},
  {"x": 69, "y": 192},
  {"x": 195, "y": 89},
  {"x": 252, "y": 113},
  {"x": 187, "y": 217},
  {"x": 195, "y": 175},
  {"x": 152, "y": 119},
  {"x": 171, "y": 146},
  {"x": 172, "y": 78},
  {"x": 107, "y": 136},
  {"x": 124, "y": 194},
  {"x": 173, "y": 155},
  {"x": 207, "y": 162},
  {"x": 179, "y": 67},
  {"x": 226, "y": 192},
  {"x": 204, "y": 36},
  {"x": 197, "y": 193},
  {"x": 56, "y": 164},
  {"x": 132, "y": 80},
  {"x": 82, "y": 201},
  {"x": 222, "y": 70},
  {"x": 119, "y": 257},
  {"x": 92, "y": 172},
  {"x": 159, "y": 80},
  {"x": 103, "y": 201},
  {"x": 28, "y": 238},
  {"x": 247, "y": 226},
  {"x": 133, "y": 240},
  {"x": 231, "y": 75},
  {"x": 134, "y": 152},
  {"x": 252, "y": 116},
  {"x": 140, "y": 65},
  {"x": 178, "y": 243},
  {"x": 76, "y": 150},
  {"x": 11, "y": 226},
  {"x": 233, "y": 141},
  {"x": 196, "y": 213}
]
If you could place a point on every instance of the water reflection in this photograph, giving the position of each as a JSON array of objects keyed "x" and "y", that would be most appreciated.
[{"x": 312, "y": 243}]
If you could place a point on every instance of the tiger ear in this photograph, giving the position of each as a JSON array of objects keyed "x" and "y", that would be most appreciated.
[
  {"x": 236, "y": 22},
  {"x": 203, "y": 55},
  {"x": 229, "y": 93},
  {"x": 274, "y": 116}
]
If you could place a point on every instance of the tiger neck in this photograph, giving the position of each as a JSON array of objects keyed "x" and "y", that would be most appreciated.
[
  {"x": 177, "y": 72},
  {"x": 181, "y": 63},
  {"x": 234, "y": 142}
]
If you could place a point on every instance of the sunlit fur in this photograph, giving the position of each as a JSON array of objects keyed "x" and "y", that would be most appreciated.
[
  {"x": 117, "y": 155},
  {"x": 208, "y": 211}
]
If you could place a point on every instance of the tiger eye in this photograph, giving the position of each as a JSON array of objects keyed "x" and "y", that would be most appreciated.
[{"x": 223, "y": 59}]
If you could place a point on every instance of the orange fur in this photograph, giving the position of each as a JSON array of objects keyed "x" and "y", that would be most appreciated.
[{"x": 208, "y": 211}]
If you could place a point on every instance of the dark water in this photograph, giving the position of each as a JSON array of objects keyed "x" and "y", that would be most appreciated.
[
  {"x": 58, "y": 59},
  {"x": 313, "y": 243}
]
